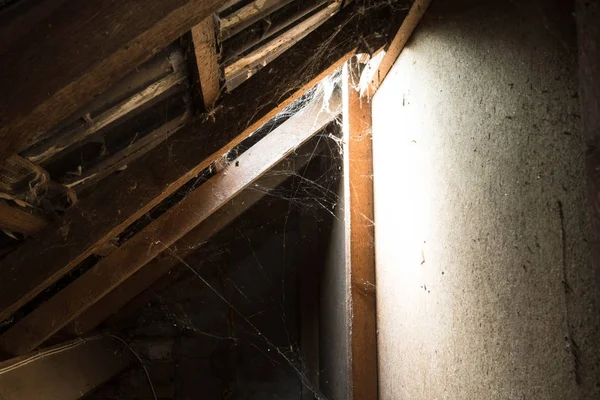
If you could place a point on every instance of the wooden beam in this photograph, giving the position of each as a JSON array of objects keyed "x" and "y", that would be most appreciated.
[
  {"x": 68, "y": 304},
  {"x": 83, "y": 47},
  {"x": 49, "y": 148},
  {"x": 106, "y": 212},
  {"x": 404, "y": 33},
  {"x": 185, "y": 246},
  {"x": 249, "y": 14},
  {"x": 64, "y": 372},
  {"x": 207, "y": 60},
  {"x": 360, "y": 244},
  {"x": 23, "y": 220}
]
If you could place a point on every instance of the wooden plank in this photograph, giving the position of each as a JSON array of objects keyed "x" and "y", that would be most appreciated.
[
  {"x": 84, "y": 47},
  {"x": 207, "y": 60},
  {"x": 360, "y": 244},
  {"x": 23, "y": 220},
  {"x": 46, "y": 150},
  {"x": 68, "y": 304},
  {"x": 64, "y": 372},
  {"x": 185, "y": 246},
  {"x": 404, "y": 33},
  {"x": 247, "y": 15},
  {"x": 106, "y": 212},
  {"x": 244, "y": 68}
]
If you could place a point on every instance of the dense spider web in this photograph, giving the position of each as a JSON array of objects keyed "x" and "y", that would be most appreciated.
[{"x": 305, "y": 195}]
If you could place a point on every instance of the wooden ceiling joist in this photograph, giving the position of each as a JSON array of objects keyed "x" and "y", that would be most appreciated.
[
  {"x": 68, "y": 304},
  {"x": 23, "y": 220},
  {"x": 58, "y": 54},
  {"x": 110, "y": 209},
  {"x": 185, "y": 246}
]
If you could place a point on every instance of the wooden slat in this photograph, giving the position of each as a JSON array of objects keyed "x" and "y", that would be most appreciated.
[
  {"x": 358, "y": 170},
  {"x": 65, "y": 52},
  {"x": 68, "y": 304},
  {"x": 246, "y": 16},
  {"x": 404, "y": 33},
  {"x": 106, "y": 212},
  {"x": 247, "y": 66},
  {"x": 207, "y": 60},
  {"x": 55, "y": 145},
  {"x": 162, "y": 264},
  {"x": 21, "y": 219},
  {"x": 64, "y": 372}
]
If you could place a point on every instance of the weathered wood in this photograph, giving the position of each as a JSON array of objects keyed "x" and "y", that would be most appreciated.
[
  {"x": 246, "y": 16},
  {"x": 404, "y": 33},
  {"x": 63, "y": 53},
  {"x": 19, "y": 176},
  {"x": 68, "y": 304},
  {"x": 46, "y": 150},
  {"x": 247, "y": 66},
  {"x": 185, "y": 246},
  {"x": 153, "y": 70},
  {"x": 359, "y": 215},
  {"x": 23, "y": 220},
  {"x": 207, "y": 60},
  {"x": 106, "y": 212},
  {"x": 130, "y": 153},
  {"x": 64, "y": 372}
]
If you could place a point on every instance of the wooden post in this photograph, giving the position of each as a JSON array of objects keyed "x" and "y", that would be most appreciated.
[
  {"x": 360, "y": 245},
  {"x": 207, "y": 60}
]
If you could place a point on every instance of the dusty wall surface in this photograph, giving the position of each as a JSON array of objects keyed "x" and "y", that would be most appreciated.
[{"x": 485, "y": 287}]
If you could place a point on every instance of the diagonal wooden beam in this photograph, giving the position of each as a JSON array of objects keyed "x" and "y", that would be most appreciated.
[
  {"x": 406, "y": 30},
  {"x": 68, "y": 304},
  {"x": 207, "y": 60},
  {"x": 66, "y": 371},
  {"x": 110, "y": 209},
  {"x": 58, "y": 54},
  {"x": 162, "y": 264}
]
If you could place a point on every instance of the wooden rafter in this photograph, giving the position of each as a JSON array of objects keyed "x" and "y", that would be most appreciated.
[
  {"x": 207, "y": 60},
  {"x": 83, "y": 47},
  {"x": 406, "y": 30},
  {"x": 106, "y": 212},
  {"x": 158, "y": 267},
  {"x": 68, "y": 304}
]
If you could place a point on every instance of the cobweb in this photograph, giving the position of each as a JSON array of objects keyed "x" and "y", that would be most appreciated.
[{"x": 310, "y": 196}]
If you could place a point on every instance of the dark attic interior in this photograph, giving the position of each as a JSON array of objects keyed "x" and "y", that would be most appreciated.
[{"x": 299, "y": 199}]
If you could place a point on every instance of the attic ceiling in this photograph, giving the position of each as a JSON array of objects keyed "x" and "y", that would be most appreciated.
[{"x": 146, "y": 112}]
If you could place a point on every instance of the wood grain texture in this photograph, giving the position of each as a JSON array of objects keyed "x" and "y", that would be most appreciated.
[
  {"x": 62, "y": 53},
  {"x": 68, "y": 304},
  {"x": 185, "y": 246},
  {"x": 144, "y": 184},
  {"x": 207, "y": 60},
  {"x": 360, "y": 239},
  {"x": 247, "y": 15}
]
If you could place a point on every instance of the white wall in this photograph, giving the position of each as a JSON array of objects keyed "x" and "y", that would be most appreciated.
[{"x": 480, "y": 209}]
